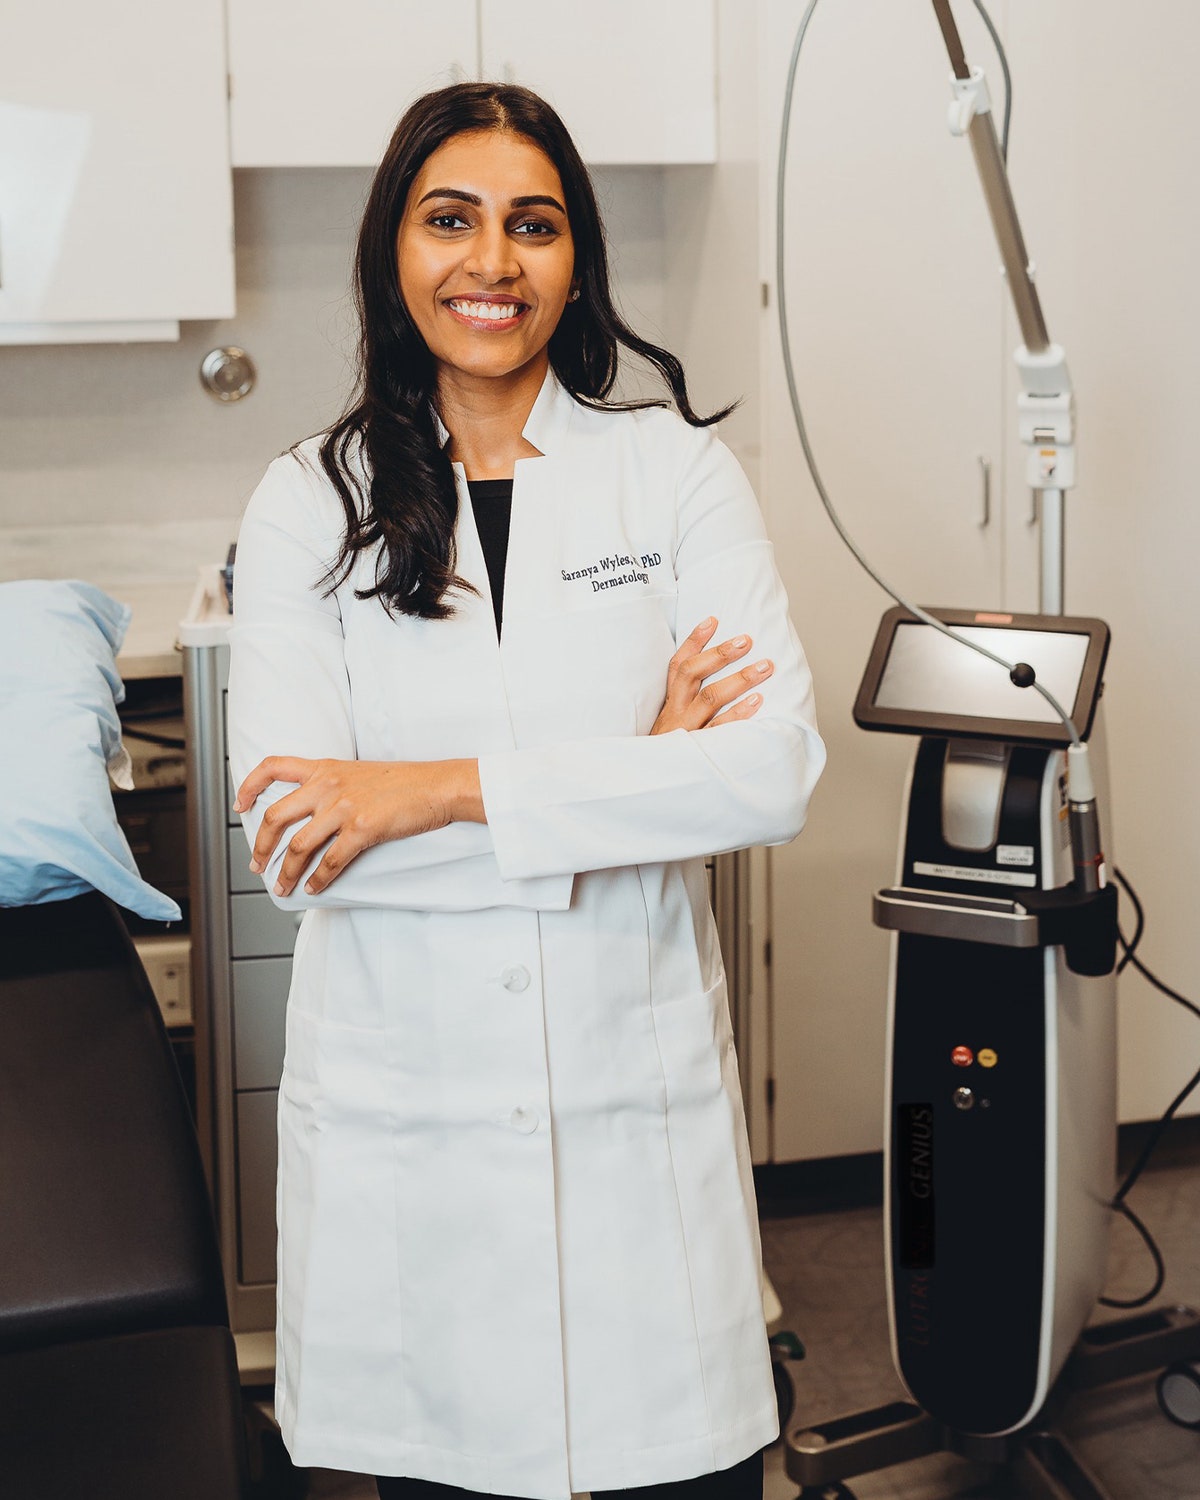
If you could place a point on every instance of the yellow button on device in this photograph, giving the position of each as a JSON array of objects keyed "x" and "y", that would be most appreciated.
[{"x": 986, "y": 1058}]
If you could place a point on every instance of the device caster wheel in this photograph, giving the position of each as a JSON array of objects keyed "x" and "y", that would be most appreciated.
[
  {"x": 784, "y": 1347},
  {"x": 1179, "y": 1395}
]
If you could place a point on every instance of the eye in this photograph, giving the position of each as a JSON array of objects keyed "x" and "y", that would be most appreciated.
[
  {"x": 534, "y": 229},
  {"x": 446, "y": 220}
]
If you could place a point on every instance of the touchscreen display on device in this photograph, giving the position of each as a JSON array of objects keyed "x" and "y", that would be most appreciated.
[{"x": 920, "y": 681}]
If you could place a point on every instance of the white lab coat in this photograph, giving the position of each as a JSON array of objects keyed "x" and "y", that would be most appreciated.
[{"x": 518, "y": 1242}]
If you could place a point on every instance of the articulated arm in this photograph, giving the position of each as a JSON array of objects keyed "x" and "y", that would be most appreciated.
[{"x": 1045, "y": 405}]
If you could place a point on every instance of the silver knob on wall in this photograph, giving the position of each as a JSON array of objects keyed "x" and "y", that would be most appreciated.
[{"x": 228, "y": 374}]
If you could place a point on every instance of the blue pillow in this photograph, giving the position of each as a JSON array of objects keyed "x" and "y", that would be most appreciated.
[{"x": 59, "y": 690}]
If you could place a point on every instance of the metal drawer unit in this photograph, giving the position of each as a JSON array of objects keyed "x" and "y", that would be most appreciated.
[{"x": 242, "y": 946}]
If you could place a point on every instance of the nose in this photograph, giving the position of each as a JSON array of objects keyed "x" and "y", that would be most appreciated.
[{"x": 493, "y": 256}]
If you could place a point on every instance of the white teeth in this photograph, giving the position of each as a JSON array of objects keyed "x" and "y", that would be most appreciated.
[{"x": 491, "y": 310}]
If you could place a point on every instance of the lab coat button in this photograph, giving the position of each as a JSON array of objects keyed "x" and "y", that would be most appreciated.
[
  {"x": 524, "y": 1120},
  {"x": 515, "y": 978}
]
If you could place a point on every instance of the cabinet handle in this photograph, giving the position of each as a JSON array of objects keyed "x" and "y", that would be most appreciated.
[{"x": 985, "y": 474}]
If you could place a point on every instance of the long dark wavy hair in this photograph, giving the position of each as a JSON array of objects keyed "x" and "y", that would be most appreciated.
[{"x": 387, "y": 433}]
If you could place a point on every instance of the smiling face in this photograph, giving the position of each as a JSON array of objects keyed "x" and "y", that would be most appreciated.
[{"x": 485, "y": 255}]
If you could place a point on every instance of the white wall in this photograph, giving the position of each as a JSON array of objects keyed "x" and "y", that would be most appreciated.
[
  {"x": 710, "y": 246},
  {"x": 123, "y": 435},
  {"x": 895, "y": 316},
  {"x": 1105, "y": 156},
  {"x": 714, "y": 315}
]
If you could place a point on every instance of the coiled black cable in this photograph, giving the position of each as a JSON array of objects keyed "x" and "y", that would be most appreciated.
[{"x": 1150, "y": 1144}]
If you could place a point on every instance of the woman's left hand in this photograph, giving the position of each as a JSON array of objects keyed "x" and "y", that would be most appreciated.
[{"x": 357, "y": 804}]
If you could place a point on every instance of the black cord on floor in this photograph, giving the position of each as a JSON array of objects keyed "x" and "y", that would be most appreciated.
[
  {"x": 1150, "y": 1144},
  {"x": 1156, "y": 1134},
  {"x": 1160, "y": 1270}
]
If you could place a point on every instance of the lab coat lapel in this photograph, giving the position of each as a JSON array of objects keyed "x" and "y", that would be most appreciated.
[
  {"x": 482, "y": 674},
  {"x": 538, "y": 495},
  {"x": 504, "y": 671}
]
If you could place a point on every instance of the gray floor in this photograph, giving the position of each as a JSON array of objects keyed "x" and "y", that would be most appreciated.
[{"x": 828, "y": 1271}]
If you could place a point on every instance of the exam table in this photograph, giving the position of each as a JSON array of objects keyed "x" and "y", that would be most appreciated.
[{"x": 118, "y": 1379}]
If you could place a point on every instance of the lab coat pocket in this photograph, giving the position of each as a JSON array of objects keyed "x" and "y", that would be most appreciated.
[
  {"x": 338, "y": 1228},
  {"x": 299, "y": 1083},
  {"x": 334, "y": 1130},
  {"x": 694, "y": 1035},
  {"x": 711, "y": 1163},
  {"x": 338, "y": 1072}
]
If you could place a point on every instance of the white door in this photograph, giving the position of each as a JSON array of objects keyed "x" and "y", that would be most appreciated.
[
  {"x": 321, "y": 84},
  {"x": 896, "y": 318}
]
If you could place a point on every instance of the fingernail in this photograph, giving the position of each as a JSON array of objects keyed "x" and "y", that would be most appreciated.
[
  {"x": 762, "y": 667},
  {"x": 753, "y": 699},
  {"x": 740, "y": 642},
  {"x": 704, "y": 624},
  {"x": 255, "y": 867},
  {"x": 279, "y": 888}
]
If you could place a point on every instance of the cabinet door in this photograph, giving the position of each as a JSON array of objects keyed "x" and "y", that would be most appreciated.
[
  {"x": 634, "y": 80},
  {"x": 896, "y": 315},
  {"x": 318, "y": 84},
  {"x": 115, "y": 191}
]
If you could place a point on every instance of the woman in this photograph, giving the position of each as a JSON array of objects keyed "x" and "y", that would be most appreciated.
[{"x": 518, "y": 1242}]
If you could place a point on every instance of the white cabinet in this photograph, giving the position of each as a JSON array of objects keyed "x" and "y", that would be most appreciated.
[
  {"x": 116, "y": 213},
  {"x": 317, "y": 84},
  {"x": 634, "y": 80}
]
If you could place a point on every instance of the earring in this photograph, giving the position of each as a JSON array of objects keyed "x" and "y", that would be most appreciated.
[{"x": 574, "y": 297}]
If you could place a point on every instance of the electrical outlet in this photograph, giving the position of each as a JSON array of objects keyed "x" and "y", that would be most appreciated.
[{"x": 168, "y": 965}]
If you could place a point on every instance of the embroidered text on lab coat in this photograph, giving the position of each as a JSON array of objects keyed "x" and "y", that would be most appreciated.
[{"x": 611, "y": 565}]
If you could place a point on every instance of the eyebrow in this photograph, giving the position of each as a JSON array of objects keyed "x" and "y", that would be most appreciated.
[{"x": 532, "y": 200}]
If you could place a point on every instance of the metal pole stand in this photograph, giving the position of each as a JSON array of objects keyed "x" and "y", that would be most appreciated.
[{"x": 1039, "y": 1460}]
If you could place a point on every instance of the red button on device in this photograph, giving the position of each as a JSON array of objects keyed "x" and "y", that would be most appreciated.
[{"x": 962, "y": 1057}]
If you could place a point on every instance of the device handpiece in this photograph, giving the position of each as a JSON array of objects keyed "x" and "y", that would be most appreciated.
[{"x": 1086, "y": 849}]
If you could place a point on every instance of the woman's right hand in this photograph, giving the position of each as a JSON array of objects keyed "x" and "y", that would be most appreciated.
[{"x": 691, "y": 705}]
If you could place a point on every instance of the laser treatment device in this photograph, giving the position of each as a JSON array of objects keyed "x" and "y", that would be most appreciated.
[
  {"x": 1000, "y": 1117},
  {"x": 1001, "y": 1153}
]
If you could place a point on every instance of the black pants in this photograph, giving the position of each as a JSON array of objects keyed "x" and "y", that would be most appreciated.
[{"x": 743, "y": 1482}]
